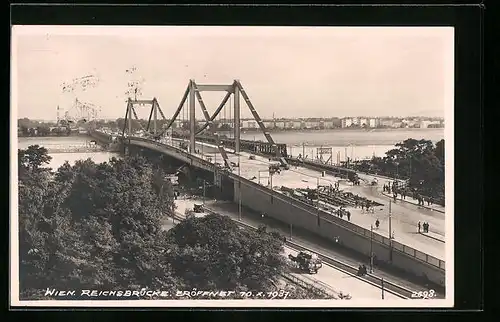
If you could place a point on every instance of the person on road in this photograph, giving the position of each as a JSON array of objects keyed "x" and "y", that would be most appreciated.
[
  {"x": 360, "y": 270},
  {"x": 419, "y": 226},
  {"x": 377, "y": 223},
  {"x": 348, "y": 215},
  {"x": 395, "y": 196}
]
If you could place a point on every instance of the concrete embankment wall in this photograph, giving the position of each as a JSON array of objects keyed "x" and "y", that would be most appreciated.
[{"x": 299, "y": 214}]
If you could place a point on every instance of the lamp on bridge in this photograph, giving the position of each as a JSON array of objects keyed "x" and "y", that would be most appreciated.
[{"x": 371, "y": 248}]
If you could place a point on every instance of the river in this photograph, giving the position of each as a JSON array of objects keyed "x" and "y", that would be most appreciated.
[
  {"x": 58, "y": 159},
  {"x": 355, "y": 144}
]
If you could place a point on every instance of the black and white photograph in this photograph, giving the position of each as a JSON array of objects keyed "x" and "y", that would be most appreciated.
[{"x": 232, "y": 166}]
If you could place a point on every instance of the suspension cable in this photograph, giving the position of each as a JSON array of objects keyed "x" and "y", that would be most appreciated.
[{"x": 231, "y": 119}]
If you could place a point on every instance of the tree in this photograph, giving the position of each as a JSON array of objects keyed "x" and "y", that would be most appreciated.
[
  {"x": 43, "y": 130},
  {"x": 214, "y": 253},
  {"x": 99, "y": 226},
  {"x": 93, "y": 225},
  {"x": 32, "y": 159},
  {"x": 439, "y": 151}
]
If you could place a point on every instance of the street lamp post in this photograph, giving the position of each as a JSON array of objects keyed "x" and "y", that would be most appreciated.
[
  {"x": 371, "y": 248},
  {"x": 239, "y": 188},
  {"x": 390, "y": 230},
  {"x": 203, "y": 191},
  {"x": 382, "y": 286},
  {"x": 317, "y": 191}
]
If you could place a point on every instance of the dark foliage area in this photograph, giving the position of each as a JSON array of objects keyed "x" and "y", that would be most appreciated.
[
  {"x": 99, "y": 226},
  {"x": 419, "y": 161}
]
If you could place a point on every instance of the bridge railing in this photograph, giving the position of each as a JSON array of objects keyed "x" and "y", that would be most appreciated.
[{"x": 396, "y": 246}]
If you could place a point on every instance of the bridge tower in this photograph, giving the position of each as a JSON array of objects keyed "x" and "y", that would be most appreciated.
[
  {"x": 191, "y": 95},
  {"x": 152, "y": 124}
]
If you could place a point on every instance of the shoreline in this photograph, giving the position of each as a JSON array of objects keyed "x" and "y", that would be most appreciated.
[
  {"x": 257, "y": 130},
  {"x": 251, "y": 131}
]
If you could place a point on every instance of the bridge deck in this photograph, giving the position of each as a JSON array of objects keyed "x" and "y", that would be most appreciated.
[{"x": 405, "y": 216}]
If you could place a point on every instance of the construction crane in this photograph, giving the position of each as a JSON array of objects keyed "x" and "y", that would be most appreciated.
[{"x": 78, "y": 114}]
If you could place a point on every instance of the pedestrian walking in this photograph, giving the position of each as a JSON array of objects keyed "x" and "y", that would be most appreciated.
[
  {"x": 393, "y": 234},
  {"x": 348, "y": 216},
  {"x": 377, "y": 223},
  {"x": 419, "y": 227}
]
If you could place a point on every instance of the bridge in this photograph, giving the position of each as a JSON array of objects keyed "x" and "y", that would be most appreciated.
[{"x": 244, "y": 172}]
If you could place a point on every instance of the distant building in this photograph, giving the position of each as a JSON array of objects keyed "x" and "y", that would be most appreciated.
[
  {"x": 374, "y": 122},
  {"x": 337, "y": 122},
  {"x": 386, "y": 122},
  {"x": 430, "y": 124},
  {"x": 327, "y": 124},
  {"x": 346, "y": 122},
  {"x": 312, "y": 124},
  {"x": 178, "y": 123},
  {"x": 279, "y": 124},
  {"x": 297, "y": 125},
  {"x": 269, "y": 124},
  {"x": 289, "y": 124},
  {"x": 249, "y": 124}
]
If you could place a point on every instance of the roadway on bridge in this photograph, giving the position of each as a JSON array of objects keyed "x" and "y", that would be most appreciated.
[
  {"x": 404, "y": 216},
  {"x": 336, "y": 280}
]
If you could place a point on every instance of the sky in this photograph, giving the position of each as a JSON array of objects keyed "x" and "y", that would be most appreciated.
[{"x": 286, "y": 71}]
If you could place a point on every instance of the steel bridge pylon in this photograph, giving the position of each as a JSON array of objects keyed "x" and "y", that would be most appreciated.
[
  {"x": 153, "y": 115},
  {"x": 193, "y": 94}
]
